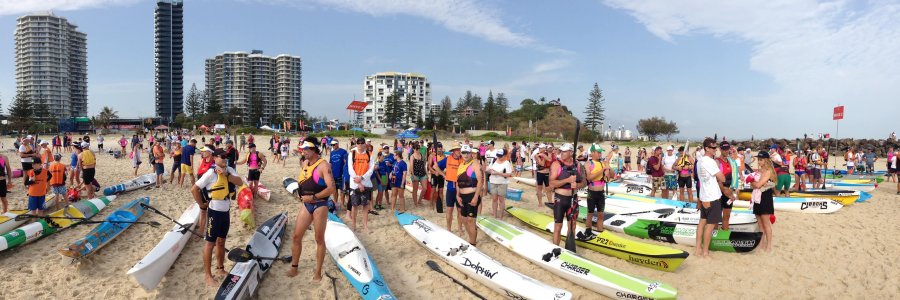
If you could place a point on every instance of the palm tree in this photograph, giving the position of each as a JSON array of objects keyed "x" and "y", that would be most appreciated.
[{"x": 106, "y": 114}]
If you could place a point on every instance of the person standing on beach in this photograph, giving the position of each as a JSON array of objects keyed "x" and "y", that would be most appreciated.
[
  {"x": 452, "y": 163},
  {"x": 437, "y": 173},
  {"x": 656, "y": 170},
  {"x": 469, "y": 181},
  {"x": 316, "y": 184},
  {"x": 87, "y": 162},
  {"x": 565, "y": 178},
  {"x": 5, "y": 171},
  {"x": 598, "y": 174},
  {"x": 338, "y": 159},
  {"x": 782, "y": 187},
  {"x": 243, "y": 141},
  {"x": 801, "y": 165},
  {"x": 418, "y": 175},
  {"x": 100, "y": 142},
  {"x": 543, "y": 161},
  {"x": 384, "y": 168},
  {"x": 501, "y": 170},
  {"x": 37, "y": 180},
  {"x": 763, "y": 206},
  {"x": 850, "y": 159},
  {"x": 730, "y": 171},
  {"x": 175, "y": 154},
  {"x": 256, "y": 163},
  {"x": 187, "y": 162},
  {"x": 627, "y": 159},
  {"x": 159, "y": 156},
  {"x": 46, "y": 154},
  {"x": 711, "y": 188},
  {"x": 669, "y": 176},
  {"x": 28, "y": 154},
  {"x": 362, "y": 166},
  {"x": 58, "y": 180},
  {"x": 685, "y": 169},
  {"x": 211, "y": 194},
  {"x": 870, "y": 159}
]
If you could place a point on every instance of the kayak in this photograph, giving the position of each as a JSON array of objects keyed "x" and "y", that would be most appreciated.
[
  {"x": 862, "y": 187},
  {"x": 877, "y": 178},
  {"x": 475, "y": 264},
  {"x": 52, "y": 223},
  {"x": 668, "y": 202},
  {"x": 800, "y": 205},
  {"x": 244, "y": 278},
  {"x": 571, "y": 266},
  {"x": 9, "y": 222},
  {"x": 680, "y": 216},
  {"x": 845, "y": 197},
  {"x": 721, "y": 240},
  {"x": 844, "y": 172},
  {"x": 130, "y": 185},
  {"x": 105, "y": 232},
  {"x": 351, "y": 257},
  {"x": 643, "y": 254},
  {"x": 149, "y": 271}
]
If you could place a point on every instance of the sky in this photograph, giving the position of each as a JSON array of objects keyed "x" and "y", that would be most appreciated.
[{"x": 732, "y": 68}]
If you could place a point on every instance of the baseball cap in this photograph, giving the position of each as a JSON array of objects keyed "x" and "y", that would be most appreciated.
[
  {"x": 465, "y": 148},
  {"x": 724, "y": 145},
  {"x": 29, "y": 137},
  {"x": 385, "y": 147},
  {"x": 500, "y": 152},
  {"x": 773, "y": 146},
  {"x": 763, "y": 154},
  {"x": 334, "y": 142},
  {"x": 566, "y": 147},
  {"x": 490, "y": 142},
  {"x": 207, "y": 149},
  {"x": 542, "y": 146},
  {"x": 596, "y": 148},
  {"x": 670, "y": 148},
  {"x": 45, "y": 142}
]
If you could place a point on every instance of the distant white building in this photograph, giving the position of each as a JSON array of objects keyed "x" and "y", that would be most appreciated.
[
  {"x": 379, "y": 86},
  {"x": 234, "y": 78}
]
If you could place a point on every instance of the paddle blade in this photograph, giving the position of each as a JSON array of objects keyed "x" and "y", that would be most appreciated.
[
  {"x": 239, "y": 255},
  {"x": 570, "y": 241},
  {"x": 433, "y": 265},
  {"x": 153, "y": 224}
]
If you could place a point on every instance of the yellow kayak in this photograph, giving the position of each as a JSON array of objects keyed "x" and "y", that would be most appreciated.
[{"x": 648, "y": 255}]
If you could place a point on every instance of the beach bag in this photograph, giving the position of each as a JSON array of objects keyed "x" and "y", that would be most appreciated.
[{"x": 245, "y": 203}]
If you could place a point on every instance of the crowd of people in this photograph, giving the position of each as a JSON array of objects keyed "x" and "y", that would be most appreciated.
[{"x": 363, "y": 179}]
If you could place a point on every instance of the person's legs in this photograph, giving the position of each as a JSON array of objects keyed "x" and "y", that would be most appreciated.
[
  {"x": 415, "y": 190},
  {"x": 767, "y": 231},
  {"x": 450, "y": 205},
  {"x": 320, "y": 217},
  {"x": 304, "y": 219}
]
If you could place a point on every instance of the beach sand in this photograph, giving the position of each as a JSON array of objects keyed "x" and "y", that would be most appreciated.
[{"x": 851, "y": 253}]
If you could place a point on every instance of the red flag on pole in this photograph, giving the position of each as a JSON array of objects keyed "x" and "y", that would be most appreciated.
[{"x": 838, "y": 113}]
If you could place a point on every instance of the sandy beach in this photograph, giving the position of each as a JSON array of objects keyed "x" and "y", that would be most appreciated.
[{"x": 851, "y": 253}]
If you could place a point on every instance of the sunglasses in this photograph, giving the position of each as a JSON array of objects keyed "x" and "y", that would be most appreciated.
[{"x": 712, "y": 147}]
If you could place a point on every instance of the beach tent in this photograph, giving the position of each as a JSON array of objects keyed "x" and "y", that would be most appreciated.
[
  {"x": 161, "y": 127},
  {"x": 357, "y": 129}
]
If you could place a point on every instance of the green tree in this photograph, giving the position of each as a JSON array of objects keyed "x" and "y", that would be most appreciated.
[
  {"x": 410, "y": 110},
  {"x": 194, "y": 103},
  {"x": 489, "y": 113},
  {"x": 256, "y": 109},
  {"x": 105, "y": 115},
  {"x": 656, "y": 126},
  {"x": 594, "y": 112},
  {"x": 443, "y": 121},
  {"x": 276, "y": 119},
  {"x": 20, "y": 112},
  {"x": 213, "y": 110},
  {"x": 393, "y": 110},
  {"x": 181, "y": 121},
  {"x": 235, "y": 116},
  {"x": 41, "y": 113},
  {"x": 502, "y": 105}
]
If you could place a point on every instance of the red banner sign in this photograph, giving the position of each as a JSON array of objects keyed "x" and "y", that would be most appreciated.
[
  {"x": 357, "y": 106},
  {"x": 838, "y": 113}
]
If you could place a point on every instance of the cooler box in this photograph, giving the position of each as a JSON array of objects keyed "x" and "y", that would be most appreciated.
[{"x": 514, "y": 194}]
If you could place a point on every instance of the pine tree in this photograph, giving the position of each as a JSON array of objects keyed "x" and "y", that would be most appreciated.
[
  {"x": 594, "y": 111},
  {"x": 256, "y": 109},
  {"x": 409, "y": 110},
  {"x": 444, "y": 116},
  {"x": 392, "y": 109},
  {"x": 489, "y": 112},
  {"x": 41, "y": 113},
  {"x": 20, "y": 112},
  {"x": 193, "y": 104}
]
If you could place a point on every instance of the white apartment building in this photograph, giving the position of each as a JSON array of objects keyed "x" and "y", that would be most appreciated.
[
  {"x": 51, "y": 64},
  {"x": 235, "y": 77},
  {"x": 379, "y": 86}
]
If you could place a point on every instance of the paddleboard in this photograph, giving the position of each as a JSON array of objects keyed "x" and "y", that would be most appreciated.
[
  {"x": 648, "y": 255},
  {"x": 149, "y": 271},
  {"x": 571, "y": 266},
  {"x": 244, "y": 278},
  {"x": 739, "y": 222},
  {"x": 130, "y": 185},
  {"x": 476, "y": 265},
  {"x": 845, "y": 197},
  {"x": 351, "y": 257},
  {"x": 8, "y": 220},
  {"x": 105, "y": 232},
  {"x": 722, "y": 240},
  {"x": 47, "y": 226}
]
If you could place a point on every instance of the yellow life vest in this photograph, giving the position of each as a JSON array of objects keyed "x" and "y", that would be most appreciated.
[
  {"x": 87, "y": 158},
  {"x": 308, "y": 171},
  {"x": 219, "y": 190},
  {"x": 597, "y": 167}
]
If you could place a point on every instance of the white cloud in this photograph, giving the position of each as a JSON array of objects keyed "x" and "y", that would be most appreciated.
[
  {"x": 463, "y": 16},
  {"x": 18, "y": 7},
  {"x": 820, "y": 53},
  {"x": 552, "y": 65}
]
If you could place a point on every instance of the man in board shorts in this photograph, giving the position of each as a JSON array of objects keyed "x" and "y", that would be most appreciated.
[{"x": 711, "y": 182}]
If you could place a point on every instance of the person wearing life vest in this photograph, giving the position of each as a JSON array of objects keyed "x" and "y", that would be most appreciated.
[
  {"x": 361, "y": 166},
  {"x": 58, "y": 181},
  {"x": 37, "y": 180},
  {"x": 437, "y": 173},
  {"x": 206, "y": 160},
  {"x": 685, "y": 169},
  {"x": 316, "y": 185},
  {"x": 256, "y": 163},
  {"x": 469, "y": 182},
  {"x": 729, "y": 169},
  {"x": 46, "y": 153},
  {"x": 451, "y": 166},
  {"x": 598, "y": 174},
  {"x": 543, "y": 160},
  {"x": 565, "y": 178},
  {"x": 5, "y": 170},
  {"x": 87, "y": 162},
  {"x": 782, "y": 187},
  {"x": 211, "y": 194}
]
